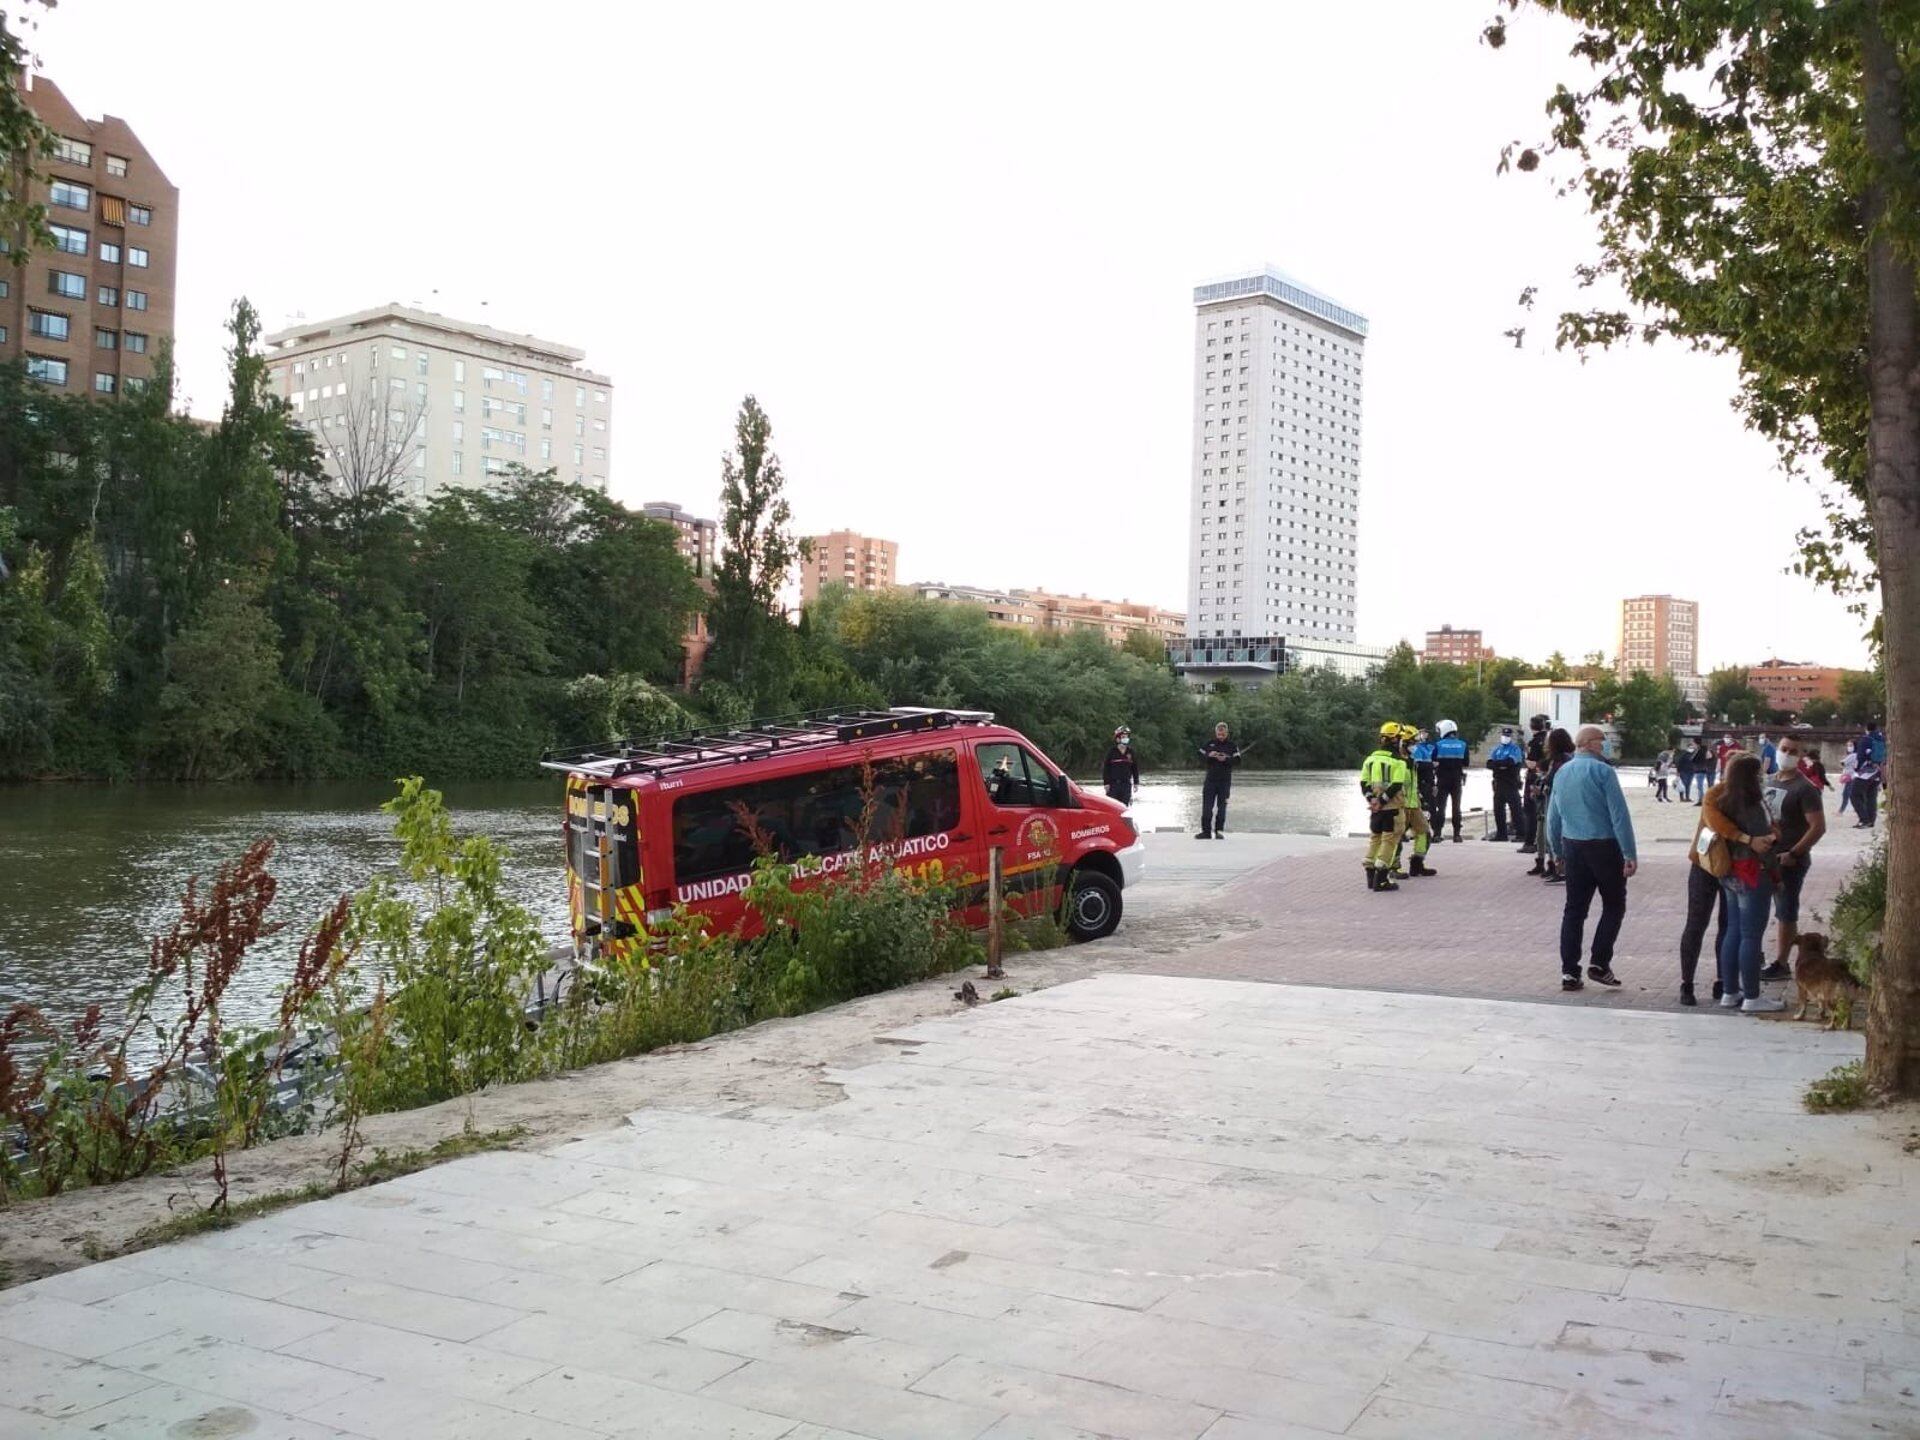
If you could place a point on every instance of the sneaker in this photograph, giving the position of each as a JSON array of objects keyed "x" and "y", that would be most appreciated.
[
  {"x": 1763, "y": 1005},
  {"x": 1730, "y": 1000},
  {"x": 1572, "y": 982},
  {"x": 1604, "y": 977},
  {"x": 1204, "y": 835},
  {"x": 1556, "y": 879},
  {"x": 1778, "y": 970}
]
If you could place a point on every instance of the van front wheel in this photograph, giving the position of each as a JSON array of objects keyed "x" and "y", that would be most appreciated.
[{"x": 1093, "y": 905}]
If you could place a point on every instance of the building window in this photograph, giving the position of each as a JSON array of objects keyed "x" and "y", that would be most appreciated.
[
  {"x": 459, "y": 372},
  {"x": 579, "y": 426},
  {"x": 117, "y": 166},
  {"x": 6, "y": 289},
  {"x": 459, "y": 401},
  {"x": 420, "y": 363},
  {"x": 64, "y": 282},
  {"x": 578, "y": 455},
  {"x": 106, "y": 340},
  {"x": 46, "y": 369},
  {"x": 602, "y": 425},
  {"x": 459, "y": 431},
  {"x": 599, "y": 455},
  {"x": 109, "y": 252},
  {"x": 68, "y": 239},
  {"x": 136, "y": 300},
  {"x": 134, "y": 342},
  {"x": 47, "y": 325},
  {"x": 74, "y": 197},
  {"x": 102, "y": 383},
  {"x": 546, "y": 389},
  {"x": 546, "y": 448},
  {"x": 546, "y": 419},
  {"x": 599, "y": 397},
  {"x": 457, "y": 458},
  {"x": 109, "y": 295},
  {"x": 399, "y": 352},
  {"x": 136, "y": 257},
  {"x": 139, "y": 215},
  {"x": 73, "y": 152}
]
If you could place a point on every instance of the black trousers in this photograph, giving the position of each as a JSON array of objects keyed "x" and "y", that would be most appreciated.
[
  {"x": 1213, "y": 805},
  {"x": 1121, "y": 790},
  {"x": 1704, "y": 897},
  {"x": 1592, "y": 866},
  {"x": 1529, "y": 816},
  {"x": 1866, "y": 800},
  {"x": 1506, "y": 810},
  {"x": 1446, "y": 788}
]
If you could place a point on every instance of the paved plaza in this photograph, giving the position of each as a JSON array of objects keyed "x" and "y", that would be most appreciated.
[{"x": 1133, "y": 1205}]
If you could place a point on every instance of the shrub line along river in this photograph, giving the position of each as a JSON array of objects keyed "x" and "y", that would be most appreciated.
[{"x": 88, "y": 873}]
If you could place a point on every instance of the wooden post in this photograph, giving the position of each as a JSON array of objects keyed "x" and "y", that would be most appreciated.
[{"x": 995, "y": 903}]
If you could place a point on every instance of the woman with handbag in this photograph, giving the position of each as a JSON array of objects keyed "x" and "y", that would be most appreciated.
[
  {"x": 1708, "y": 859},
  {"x": 1748, "y": 885}
]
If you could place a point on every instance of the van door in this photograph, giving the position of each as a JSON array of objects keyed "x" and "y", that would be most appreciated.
[{"x": 1021, "y": 820}]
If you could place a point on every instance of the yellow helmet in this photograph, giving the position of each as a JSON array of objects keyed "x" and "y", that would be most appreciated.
[{"x": 1390, "y": 732}]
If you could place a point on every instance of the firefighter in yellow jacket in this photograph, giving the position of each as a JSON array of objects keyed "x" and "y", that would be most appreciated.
[
  {"x": 1385, "y": 780},
  {"x": 1415, "y": 813}
]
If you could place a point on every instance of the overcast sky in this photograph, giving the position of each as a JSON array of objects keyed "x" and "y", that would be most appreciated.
[{"x": 953, "y": 250}]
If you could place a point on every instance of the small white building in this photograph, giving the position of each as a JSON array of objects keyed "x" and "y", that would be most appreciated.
[{"x": 1558, "y": 700}]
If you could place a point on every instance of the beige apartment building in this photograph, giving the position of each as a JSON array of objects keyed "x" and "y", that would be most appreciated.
[
  {"x": 1660, "y": 635},
  {"x": 699, "y": 538},
  {"x": 88, "y": 315},
  {"x": 419, "y": 401},
  {"x": 1038, "y": 610},
  {"x": 860, "y": 562},
  {"x": 1448, "y": 646}
]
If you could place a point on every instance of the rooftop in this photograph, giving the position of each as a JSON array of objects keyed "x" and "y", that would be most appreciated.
[
  {"x": 1284, "y": 288},
  {"x": 456, "y": 331}
]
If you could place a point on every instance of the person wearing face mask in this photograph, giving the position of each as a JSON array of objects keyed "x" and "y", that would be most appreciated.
[
  {"x": 1120, "y": 771},
  {"x": 1505, "y": 761},
  {"x": 1420, "y": 756},
  {"x": 1793, "y": 800}
]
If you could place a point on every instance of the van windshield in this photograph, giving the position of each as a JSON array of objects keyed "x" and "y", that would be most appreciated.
[{"x": 722, "y": 832}]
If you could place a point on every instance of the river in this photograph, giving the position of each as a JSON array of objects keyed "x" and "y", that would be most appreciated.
[{"x": 89, "y": 873}]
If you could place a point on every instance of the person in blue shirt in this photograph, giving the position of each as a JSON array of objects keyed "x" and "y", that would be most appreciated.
[
  {"x": 1591, "y": 834},
  {"x": 1450, "y": 772},
  {"x": 1506, "y": 761}
]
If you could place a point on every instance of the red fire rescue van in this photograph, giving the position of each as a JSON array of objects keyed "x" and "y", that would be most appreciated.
[{"x": 681, "y": 820}]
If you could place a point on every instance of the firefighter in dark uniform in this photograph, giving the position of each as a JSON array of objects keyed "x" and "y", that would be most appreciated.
[
  {"x": 1121, "y": 771},
  {"x": 1450, "y": 773},
  {"x": 1221, "y": 755},
  {"x": 1535, "y": 785}
]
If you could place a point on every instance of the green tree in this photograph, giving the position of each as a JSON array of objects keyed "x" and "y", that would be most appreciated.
[
  {"x": 1731, "y": 698},
  {"x": 1819, "y": 711},
  {"x": 1863, "y": 696},
  {"x": 23, "y": 139},
  {"x": 1756, "y": 183},
  {"x": 224, "y": 669},
  {"x": 1644, "y": 716},
  {"x": 749, "y": 632}
]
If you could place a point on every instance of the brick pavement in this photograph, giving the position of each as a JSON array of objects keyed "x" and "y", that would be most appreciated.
[{"x": 1481, "y": 928}]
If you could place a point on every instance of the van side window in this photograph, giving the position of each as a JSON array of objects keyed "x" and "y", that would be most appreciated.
[
  {"x": 722, "y": 832},
  {"x": 1014, "y": 775}
]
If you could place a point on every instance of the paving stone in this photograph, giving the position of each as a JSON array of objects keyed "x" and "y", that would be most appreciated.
[
  {"x": 444, "y": 1316},
  {"x": 237, "y": 1372},
  {"x": 682, "y": 1363},
  {"x": 830, "y": 1398},
  {"x": 1101, "y": 1407},
  {"x": 395, "y": 1410},
  {"x": 41, "y": 1382},
  {"x": 445, "y": 1366},
  {"x": 170, "y": 1411},
  {"x": 615, "y": 1406}
]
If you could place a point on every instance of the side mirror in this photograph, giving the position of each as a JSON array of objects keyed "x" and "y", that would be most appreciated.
[{"x": 1062, "y": 793}]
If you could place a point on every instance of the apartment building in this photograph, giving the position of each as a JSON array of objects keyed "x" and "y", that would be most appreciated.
[
  {"x": 88, "y": 315},
  {"x": 860, "y": 562},
  {"x": 1275, "y": 502},
  {"x": 699, "y": 538},
  {"x": 1660, "y": 635},
  {"x": 1044, "y": 610},
  {"x": 404, "y": 397},
  {"x": 1789, "y": 684},
  {"x": 1249, "y": 661},
  {"x": 1448, "y": 646}
]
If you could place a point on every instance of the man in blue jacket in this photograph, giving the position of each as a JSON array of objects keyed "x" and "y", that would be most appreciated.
[
  {"x": 1590, "y": 832},
  {"x": 1449, "y": 773},
  {"x": 1506, "y": 762}
]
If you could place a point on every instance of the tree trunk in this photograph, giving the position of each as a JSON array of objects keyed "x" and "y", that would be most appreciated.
[{"x": 1893, "y": 480}]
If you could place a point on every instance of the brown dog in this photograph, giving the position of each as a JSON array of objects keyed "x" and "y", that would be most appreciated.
[{"x": 1823, "y": 981}]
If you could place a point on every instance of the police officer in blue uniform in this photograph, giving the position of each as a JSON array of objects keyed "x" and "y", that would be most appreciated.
[
  {"x": 1506, "y": 761},
  {"x": 1420, "y": 756},
  {"x": 1449, "y": 774}
]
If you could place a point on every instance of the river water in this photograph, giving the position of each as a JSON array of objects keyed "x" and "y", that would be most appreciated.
[{"x": 89, "y": 873}]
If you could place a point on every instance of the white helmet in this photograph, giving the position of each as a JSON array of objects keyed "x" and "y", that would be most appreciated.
[{"x": 1446, "y": 727}]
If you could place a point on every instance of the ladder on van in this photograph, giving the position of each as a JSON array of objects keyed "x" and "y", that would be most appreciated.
[
  {"x": 594, "y": 861},
  {"x": 752, "y": 741}
]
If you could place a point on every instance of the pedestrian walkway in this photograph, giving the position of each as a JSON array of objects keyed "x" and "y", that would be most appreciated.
[{"x": 1130, "y": 1206}]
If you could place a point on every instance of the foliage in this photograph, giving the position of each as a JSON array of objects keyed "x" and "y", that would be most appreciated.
[
  {"x": 1647, "y": 710},
  {"x": 1859, "y": 914},
  {"x": 1755, "y": 179},
  {"x": 1731, "y": 698},
  {"x": 750, "y": 637},
  {"x": 1863, "y": 696},
  {"x": 188, "y": 602},
  {"x": 1842, "y": 1088},
  {"x": 22, "y": 139}
]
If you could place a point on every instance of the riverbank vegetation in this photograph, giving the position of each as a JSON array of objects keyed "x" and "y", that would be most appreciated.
[{"x": 413, "y": 991}]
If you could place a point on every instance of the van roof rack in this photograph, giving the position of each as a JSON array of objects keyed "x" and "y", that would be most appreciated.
[{"x": 752, "y": 741}]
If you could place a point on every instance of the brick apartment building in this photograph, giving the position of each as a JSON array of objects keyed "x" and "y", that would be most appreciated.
[
  {"x": 1039, "y": 610},
  {"x": 699, "y": 538},
  {"x": 89, "y": 314},
  {"x": 860, "y": 562},
  {"x": 1660, "y": 635},
  {"x": 1789, "y": 684},
  {"x": 1448, "y": 646}
]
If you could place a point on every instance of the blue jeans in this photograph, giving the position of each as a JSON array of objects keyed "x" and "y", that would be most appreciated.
[{"x": 1747, "y": 912}]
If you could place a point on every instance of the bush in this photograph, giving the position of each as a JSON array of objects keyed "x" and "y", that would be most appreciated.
[
  {"x": 1842, "y": 1088},
  {"x": 1860, "y": 912}
]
